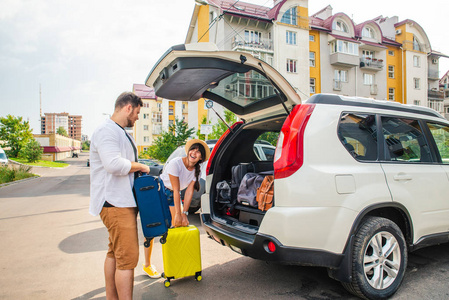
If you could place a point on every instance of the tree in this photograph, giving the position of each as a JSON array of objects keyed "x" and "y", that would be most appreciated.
[
  {"x": 164, "y": 145},
  {"x": 85, "y": 145},
  {"x": 61, "y": 130},
  {"x": 220, "y": 128},
  {"x": 32, "y": 151},
  {"x": 270, "y": 136},
  {"x": 16, "y": 133}
]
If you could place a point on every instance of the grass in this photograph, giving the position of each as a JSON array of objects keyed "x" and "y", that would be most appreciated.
[
  {"x": 41, "y": 163},
  {"x": 13, "y": 174}
]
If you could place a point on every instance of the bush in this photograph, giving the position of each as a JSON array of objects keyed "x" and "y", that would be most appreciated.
[
  {"x": 12, "y": 174},
  {"x": 32, "y": 151}
]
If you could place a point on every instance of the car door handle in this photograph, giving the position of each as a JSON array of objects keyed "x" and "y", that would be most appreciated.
[{"x": 402, "y": 176}]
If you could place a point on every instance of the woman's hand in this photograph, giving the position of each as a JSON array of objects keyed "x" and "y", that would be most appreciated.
[
  {"x": 185, "y": 220},
  {"x": 178, "y": 221}
]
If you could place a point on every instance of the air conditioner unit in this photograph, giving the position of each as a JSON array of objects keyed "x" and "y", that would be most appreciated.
[
  {"x": 434, "y": 61},
  {"x": 399, "y": 31}
]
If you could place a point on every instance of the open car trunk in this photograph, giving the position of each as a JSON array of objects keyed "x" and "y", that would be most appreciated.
[{"x": 242, "y": 148}]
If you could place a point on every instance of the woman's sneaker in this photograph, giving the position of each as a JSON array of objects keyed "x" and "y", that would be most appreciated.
[{"x": 151, "y": 271}]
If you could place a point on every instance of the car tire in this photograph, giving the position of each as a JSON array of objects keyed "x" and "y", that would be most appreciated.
[{"x": 379, "y": 259}]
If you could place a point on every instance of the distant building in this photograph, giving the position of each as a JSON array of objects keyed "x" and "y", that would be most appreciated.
[
  {"x": 444, "y": 88},
  {"x": 155, "y": 116},
  {"x": 52, "y": 121},
  {"x": 57, "y": 147}
]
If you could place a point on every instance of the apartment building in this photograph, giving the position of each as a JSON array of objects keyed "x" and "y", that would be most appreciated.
[
  {"x": 444, "y": 88},
  {"x": 382, "y": 58},
  {"x": 156, "y": 116},
  {"x": 72, "y": 124}
]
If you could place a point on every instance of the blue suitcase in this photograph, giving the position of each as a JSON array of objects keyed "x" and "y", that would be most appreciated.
[{"x": 152, "y": 201}]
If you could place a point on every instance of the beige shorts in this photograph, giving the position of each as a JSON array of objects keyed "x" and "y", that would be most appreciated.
[{"x": 121, "y": 223}]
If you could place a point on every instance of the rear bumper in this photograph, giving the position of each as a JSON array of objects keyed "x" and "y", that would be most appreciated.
[{"x": 256, "y": 246}]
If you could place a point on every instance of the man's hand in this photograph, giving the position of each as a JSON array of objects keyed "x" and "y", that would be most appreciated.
[
  {"x": 177, "y": 222},
  {"x": 185, "y": 220}
]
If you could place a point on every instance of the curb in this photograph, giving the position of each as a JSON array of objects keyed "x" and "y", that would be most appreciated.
[{"x": 18, "y": 181}]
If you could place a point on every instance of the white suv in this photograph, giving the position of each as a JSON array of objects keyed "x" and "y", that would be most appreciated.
[{"x": 358, "y": 182}]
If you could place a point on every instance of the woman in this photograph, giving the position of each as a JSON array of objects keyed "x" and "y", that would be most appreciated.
[{"x": 181, "y": 173}]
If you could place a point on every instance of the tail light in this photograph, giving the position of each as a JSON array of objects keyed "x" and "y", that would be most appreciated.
[
  {"x": 289, "y": 153},
  {"x": 217, "y": 145}
]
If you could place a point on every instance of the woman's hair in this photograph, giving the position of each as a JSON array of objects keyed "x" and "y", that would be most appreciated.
[{"x": 199, "y": 147}]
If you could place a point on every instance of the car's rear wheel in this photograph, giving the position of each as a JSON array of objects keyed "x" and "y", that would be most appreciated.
[{"x": 379, "y": 259}]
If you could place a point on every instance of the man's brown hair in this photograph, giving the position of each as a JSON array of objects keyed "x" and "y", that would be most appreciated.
[{"x": 126, "y": 98}]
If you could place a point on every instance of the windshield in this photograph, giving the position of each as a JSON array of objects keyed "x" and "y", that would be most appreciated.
[
  {"x": 2, "y": 156},
  {"x": 244, "y": 89}
]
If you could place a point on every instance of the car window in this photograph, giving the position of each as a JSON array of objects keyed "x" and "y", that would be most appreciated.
[
  {"x": 404, "y": 140},
  {"x": 269, "y": 152},
  {"x": 440, "y": 134},
  {"x": 263, "y": 147},
  {"x": 358, "y": 134}
]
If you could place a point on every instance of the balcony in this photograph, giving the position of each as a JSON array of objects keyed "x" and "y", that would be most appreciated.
[
  {"x": 435, "y": 94},
  {"x": 373, "y": 64},
  {"x": 239, "y": 43},
  {"x": 344, "y": 60},
  {"x": 157, "y": 129},
  {"x": 433, "y": 75}
]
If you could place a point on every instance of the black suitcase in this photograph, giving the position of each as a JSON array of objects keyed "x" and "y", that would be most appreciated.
[{"x": 152, "y": 201}]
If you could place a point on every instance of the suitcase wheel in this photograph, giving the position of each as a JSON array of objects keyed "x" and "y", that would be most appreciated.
[
  {"x": 146, "y": 244},
  {"x": 163, "y": 240},
  {"x": 167, "y": 283},
  {"x": 198, "y": 278},
  {"x": 163, "y": 275}
]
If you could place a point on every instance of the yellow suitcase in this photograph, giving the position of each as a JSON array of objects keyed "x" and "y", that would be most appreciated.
[{"x": 181, "y": 254}]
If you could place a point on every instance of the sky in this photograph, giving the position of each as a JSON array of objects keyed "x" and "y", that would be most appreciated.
[{"x": 82, "y": 54}]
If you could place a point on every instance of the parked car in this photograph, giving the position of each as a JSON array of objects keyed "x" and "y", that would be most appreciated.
[
  {"x": 155, "y": 167},
  {"x": 3, "y": 158},
  {"x": 358, "y": 182}
]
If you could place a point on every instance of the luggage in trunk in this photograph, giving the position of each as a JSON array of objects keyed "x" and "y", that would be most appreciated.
[
  {"x": 152, "y": 201},
  {"x": 182, "y": 254}
]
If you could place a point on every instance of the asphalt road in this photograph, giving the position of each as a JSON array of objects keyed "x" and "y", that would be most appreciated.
[{"x": 52, "y": 248}]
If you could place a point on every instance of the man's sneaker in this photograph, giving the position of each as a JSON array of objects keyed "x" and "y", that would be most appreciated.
[{"x": 151, "y": 271}]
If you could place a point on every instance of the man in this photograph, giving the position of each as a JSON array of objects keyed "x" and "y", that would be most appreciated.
[{"x": 113, "y": 157}]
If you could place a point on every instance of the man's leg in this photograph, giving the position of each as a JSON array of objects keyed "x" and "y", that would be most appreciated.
[
  {"x": 124, "y": 280},
  {"x": 109, "y": 274}
]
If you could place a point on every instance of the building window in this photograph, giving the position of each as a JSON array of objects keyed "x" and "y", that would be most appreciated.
[
  {"x": 146, "y": 116},
  {"x": 291, "y": 38},
  {"x": 170, "y": 110},
  {"x": 291, "y": 65},
  {"x": 341, "y": 75},
  {"x": 390, "y": 71},
  {"x": 416, "y": 61},
  {"x": 340, "y": 26},
  {"x": 368, "y": 79},
  {"x": 416, "y": 102},
  {"x": 311, "y": 38},
  {"x": 252, "y": 36},
  {"x": 312, "y": 85},
  {"x": 391, "y": 94},
  {"x": 312, "y": 59},
  {"x": 289, "y": 16},
  {"x": 416, "y": 44},
  {"x": 416, "y": 82},
  {"x": 344, "y": 47},
  {"x": 146, "y": 139},
  {"x": 159, "y": 106},
  {"x": 390, "y": 52},
  {"x": 145, "y": 127},
  {"x": 368, "y": 32}
]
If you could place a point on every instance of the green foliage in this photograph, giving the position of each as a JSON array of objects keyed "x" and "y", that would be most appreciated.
[
  {"x": 220, "y": 128},
  {"x": 271, "y": 137},
  {"x": 61, "y": 130},
  {"x": 164, "y": 145},
  {"x": 32, "y": 151},
  {"x": 13, "y": 174},
  {"x": 16, "y": 133},
  {"x": 85, "y": 145}
]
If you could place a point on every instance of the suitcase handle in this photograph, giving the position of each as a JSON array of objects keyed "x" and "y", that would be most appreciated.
[
  {"x": 146, "y": 188},
  {"x": 154, "y": 224}
]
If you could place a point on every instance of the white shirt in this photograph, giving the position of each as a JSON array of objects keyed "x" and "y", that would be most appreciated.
[
  {"x": 110, "y": 159},
  {"x": 177, "y": 168}
]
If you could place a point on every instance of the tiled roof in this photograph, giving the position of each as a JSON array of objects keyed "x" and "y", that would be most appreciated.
[
  {"x": 243, "y": 8},
  {"x": 143, "y": 91}
]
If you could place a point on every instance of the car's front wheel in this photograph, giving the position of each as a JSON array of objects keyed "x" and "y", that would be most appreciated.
[{"x": 379, "y": 259}]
